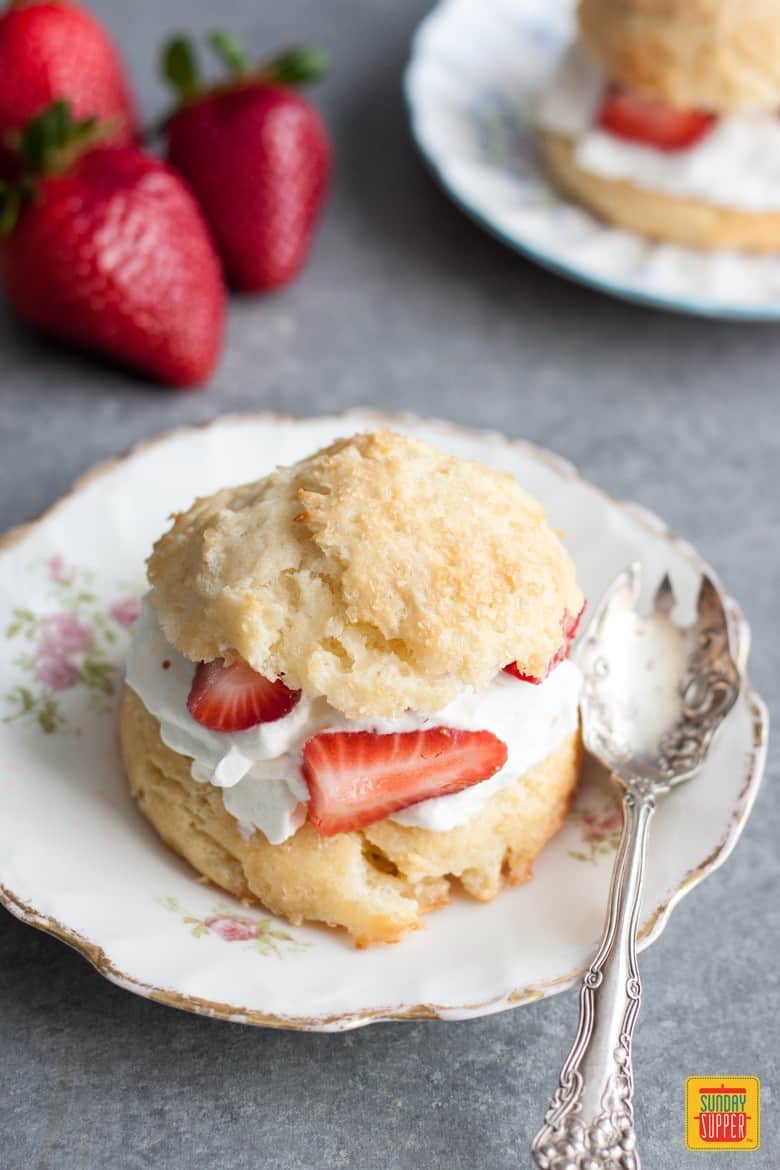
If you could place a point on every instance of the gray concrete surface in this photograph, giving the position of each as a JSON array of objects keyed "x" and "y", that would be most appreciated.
[{"x": 408, "y": 305}]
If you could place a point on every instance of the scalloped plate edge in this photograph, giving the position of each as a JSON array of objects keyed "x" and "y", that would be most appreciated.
[{"x": 655, "y": 921}]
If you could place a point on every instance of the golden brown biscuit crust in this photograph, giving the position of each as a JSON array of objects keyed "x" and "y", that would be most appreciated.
[
  {"x": 379, "y": 573},
  {"x": 655, "y": 214},
  {"x": 376, "y": 883},
  {"x": 716, "y": 55}
]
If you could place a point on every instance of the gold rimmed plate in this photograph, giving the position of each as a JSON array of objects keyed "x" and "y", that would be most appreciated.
[{"x": 77, "y": 859}]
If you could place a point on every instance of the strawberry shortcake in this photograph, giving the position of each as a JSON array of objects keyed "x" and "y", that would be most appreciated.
[
  {"x": 664, "y": 118},
  {"x": 348, "y": 690}
]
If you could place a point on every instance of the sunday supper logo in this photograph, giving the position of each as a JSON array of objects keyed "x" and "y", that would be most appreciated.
[{"x": 722, "y": 1113}]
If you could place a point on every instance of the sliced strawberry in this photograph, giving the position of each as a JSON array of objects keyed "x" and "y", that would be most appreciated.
[
  {"x": 513, "y": 669},
  {"x": 641, "y": 119},
  {"x": 358, "y": 777},
  {"x": 233, "y": 698},
  {"x": 569, "y": 626}
]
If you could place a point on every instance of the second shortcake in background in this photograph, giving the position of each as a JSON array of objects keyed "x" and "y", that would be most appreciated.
[{"x": 663, "y": 118}]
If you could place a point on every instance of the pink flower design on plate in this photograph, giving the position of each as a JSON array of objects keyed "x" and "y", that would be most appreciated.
[
  {"x": 231, "y": 929},
  {"x": 600, "y": 824},
  {"x": 56, "y": 672},
  {"x": 64, "y": 634},
  {"x": 125, "y": 611},
  {"x": 59, "y": 572}
]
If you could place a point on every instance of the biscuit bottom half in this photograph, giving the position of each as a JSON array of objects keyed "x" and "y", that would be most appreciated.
[
  {"x": 376, "y": 882},
  {"x": 654, "y": 214}
]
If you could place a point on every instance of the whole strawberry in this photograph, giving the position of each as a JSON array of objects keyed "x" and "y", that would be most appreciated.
[
  {"x": 105, "y": 248},
  {"x": 255, "y": 153},
  {"x": 51, "y": 50}
]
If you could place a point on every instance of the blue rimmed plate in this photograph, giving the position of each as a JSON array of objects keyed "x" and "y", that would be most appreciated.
[{"x": 476, "y": 70}]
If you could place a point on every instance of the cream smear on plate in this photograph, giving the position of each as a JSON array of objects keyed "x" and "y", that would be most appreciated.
[
  {"x": 736, "y": 164},
  {"x": 259, "y": 770}
]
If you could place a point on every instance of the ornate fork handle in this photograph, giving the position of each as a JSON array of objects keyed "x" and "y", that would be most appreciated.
[{"x": 590, "y": 1122}]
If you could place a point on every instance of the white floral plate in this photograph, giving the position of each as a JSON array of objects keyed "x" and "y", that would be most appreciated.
[
  {"x": 476, "y": 70},
  {"x": 77, "y": 859}
]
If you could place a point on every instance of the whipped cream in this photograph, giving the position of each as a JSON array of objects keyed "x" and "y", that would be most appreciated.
[
  {"x": 736, "y": 164},
  {"x": 259, "y": 770}
]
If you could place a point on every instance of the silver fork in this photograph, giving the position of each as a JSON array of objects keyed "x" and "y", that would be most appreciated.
[{"x": 654, "y": 694}]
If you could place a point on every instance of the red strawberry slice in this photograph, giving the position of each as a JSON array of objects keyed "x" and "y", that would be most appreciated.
[
  {"x": 641, "y": 119},
  {"x": 358, "y": 777},
  {"x": 233, "y": 698},
  {"x": 569, "y": 625}
]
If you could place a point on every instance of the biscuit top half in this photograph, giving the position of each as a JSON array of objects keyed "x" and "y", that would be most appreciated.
[
  {"x": 378, "y": 573},
  {"x": 720, "y": 56}
]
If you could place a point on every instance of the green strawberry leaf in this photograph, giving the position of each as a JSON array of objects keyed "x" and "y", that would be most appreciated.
[
  {"x": 51, "y": 142},
  {"x": 298, "y": 66},
  {"x": 10, "y": 205},
  {"x": 180, "y": 67},
  {"x": 44, "y": 134},
  {"x": 230, "y": 51}
]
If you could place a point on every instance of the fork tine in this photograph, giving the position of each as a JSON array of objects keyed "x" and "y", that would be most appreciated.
[
  {"x": 665, "y": 599},
  {"x": 622, "y": 593},
  {"x": 632, "y": 577},
  {"x": 709, "y": 606}
]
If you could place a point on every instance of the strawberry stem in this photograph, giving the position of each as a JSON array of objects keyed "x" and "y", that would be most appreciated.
[
  {"x": 296, "y": 66},
  {"x": 52, "y": 141},
  {"x": 49, "y": 144},
  {"x": 180, "y": 68}
]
